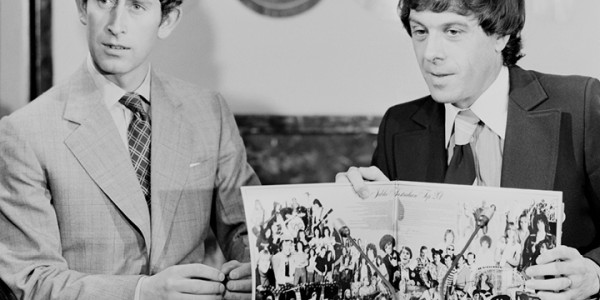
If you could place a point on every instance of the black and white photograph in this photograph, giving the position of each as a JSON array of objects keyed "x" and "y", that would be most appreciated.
[
  {"x": 407, "y": 241},
  {"x": 128, "y": 129}
]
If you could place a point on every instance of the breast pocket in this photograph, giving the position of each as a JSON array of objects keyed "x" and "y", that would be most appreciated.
[
  {"x": 202, "y": 171},
  {"x": 196, "y": 198}
]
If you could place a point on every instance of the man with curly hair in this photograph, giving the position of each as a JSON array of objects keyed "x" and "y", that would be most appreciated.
[
  {"x": 114, "y": 182},
  {"x": 489, "y": 122}
]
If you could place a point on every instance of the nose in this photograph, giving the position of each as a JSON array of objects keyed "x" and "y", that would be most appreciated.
[
  {"x": 434, "y": 51},
  {"x": 117, "y": 24}
]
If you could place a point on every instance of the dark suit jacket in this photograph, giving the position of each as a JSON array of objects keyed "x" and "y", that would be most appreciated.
[{"x": 552, "y": 143}]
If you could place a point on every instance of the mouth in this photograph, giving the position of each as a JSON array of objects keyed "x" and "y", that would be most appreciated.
[
  {"x": 115, "y": 47},
  {"x": 439, "y": 75}
]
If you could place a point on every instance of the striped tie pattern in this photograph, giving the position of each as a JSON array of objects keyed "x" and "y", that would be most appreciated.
[{"x": 139, "y": 136}]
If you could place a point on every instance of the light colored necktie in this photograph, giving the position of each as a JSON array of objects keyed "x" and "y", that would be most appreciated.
[
  {"x": 139, "y": 137},
  {"x": 461, "y": 169}
]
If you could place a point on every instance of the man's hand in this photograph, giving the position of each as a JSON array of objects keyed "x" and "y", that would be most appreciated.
[
  {"x": 239, "y": 280},
  {"x": 184, "y": 282},
  {"x": 573, "y": 276},
  {"x": 357, "y": 176}
]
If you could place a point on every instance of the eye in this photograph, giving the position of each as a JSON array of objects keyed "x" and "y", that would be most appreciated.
[
  {"x": 453, "y": 32},
  {"x": 107, "y": 3},
  {"x": 418, "y": 33},
  {"x": 417, "y": 30},
  {"x": 137, "y": 7}
]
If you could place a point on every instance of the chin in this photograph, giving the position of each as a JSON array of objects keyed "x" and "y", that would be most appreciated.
[
  {"x": 113, "y": 69},
  {"x": 441, "y": 95},
  {"x": 442, "y": 98},
  {"x": 112, "y": 66}
]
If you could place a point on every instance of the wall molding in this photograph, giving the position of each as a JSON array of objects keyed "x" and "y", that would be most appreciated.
[{"x": 40, "y": 47}]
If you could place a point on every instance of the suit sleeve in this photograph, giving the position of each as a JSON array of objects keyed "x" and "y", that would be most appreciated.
[
  {"x": 592, "y": 150},
  {"x": 31, "y": 260},
  {"x": 233, "y": 171}
]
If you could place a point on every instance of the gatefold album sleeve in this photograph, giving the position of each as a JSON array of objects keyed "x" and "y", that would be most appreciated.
[{"x": 322, "y": 241}]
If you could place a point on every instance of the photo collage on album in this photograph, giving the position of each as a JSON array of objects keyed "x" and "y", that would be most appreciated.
[{"x": 322, "y": 241}]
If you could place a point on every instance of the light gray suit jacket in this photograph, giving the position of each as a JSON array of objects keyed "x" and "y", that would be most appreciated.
[{"x": 73, "y": 220}]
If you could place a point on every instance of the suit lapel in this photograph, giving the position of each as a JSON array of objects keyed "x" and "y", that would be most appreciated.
[
  {"x": 171, "y": 158},
  {"x": 96, "y": 144},
  {"x": 532, "y": 136},
  {"x": 422, "y": 146}
]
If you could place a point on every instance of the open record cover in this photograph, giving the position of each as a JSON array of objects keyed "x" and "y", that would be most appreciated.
[{"x": 408, "y": 240}]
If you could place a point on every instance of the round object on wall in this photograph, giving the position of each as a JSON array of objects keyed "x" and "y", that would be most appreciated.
[
  {"x": 280, "y": 8},
  {"x": 386, "y": 10}
]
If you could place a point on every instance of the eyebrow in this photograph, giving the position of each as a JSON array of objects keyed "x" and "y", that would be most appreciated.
[
  {"x": 411, "y": 20},
  {"x": 145, "y": 2},
  {"x": 443, "y": 25}
]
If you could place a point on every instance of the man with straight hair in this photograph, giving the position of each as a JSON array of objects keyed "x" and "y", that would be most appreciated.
[
  {"x": 113, "y": 181},
  {"x": 489, "y": 122}
]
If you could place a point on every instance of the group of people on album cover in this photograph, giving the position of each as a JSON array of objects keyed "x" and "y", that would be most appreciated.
[{"x": 302, "y": 256}]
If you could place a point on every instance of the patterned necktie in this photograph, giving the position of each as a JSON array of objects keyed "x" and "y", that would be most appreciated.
[
  {"x": 138, "y": 136},
  {"x": 461, "y": 169}
]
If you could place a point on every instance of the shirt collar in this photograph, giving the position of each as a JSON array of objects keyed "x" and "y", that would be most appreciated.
[
  {"x": 112, "y": 93},
  {"x": 491, "y": 107}
]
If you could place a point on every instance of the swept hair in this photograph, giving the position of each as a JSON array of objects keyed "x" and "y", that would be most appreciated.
[
  {"x": 166, "y": 6},
  {"x": 501, "y": 17}
]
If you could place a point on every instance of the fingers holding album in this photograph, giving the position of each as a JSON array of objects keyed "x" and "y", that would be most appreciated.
[
  {"x": 357, "y": 176},
  {"x": 236, "y": 270},
  {"x": 563, "y": 273},
  {"x": 239, "y": 279},
  {"x": 179, "y": 280},
  {"x": 560, "y": 253}
]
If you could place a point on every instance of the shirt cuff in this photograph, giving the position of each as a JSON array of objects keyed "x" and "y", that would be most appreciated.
[{"x": 138, "y": 288}]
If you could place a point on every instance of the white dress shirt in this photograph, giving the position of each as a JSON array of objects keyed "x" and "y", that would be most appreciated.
[
  {"x": 112, "y": 93},
  {"x": 488, "y": 140}
]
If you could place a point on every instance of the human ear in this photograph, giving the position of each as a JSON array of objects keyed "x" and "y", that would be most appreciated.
[
  {"x": 501, "y": 42},
  {"x": 82, "y": 10},
  {"x": 169, "y": 22}
]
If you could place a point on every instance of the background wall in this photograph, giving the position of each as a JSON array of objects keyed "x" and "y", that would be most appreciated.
[
  {"x": 342, "y": 57},
  {"x": 14, "y": 55}
]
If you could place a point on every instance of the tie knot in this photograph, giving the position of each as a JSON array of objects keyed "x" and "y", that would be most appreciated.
[
  {"x": 467, "y": 116},
  {"x": 134, "y": 102},
  {"x": 464, "y": 126}
]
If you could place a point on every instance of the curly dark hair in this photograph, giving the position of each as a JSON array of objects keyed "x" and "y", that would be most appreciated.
[
  {"x": 371, "y": 246},
  {"x": 539, "y": 218},
  {"x": 505, "y": 17}
]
